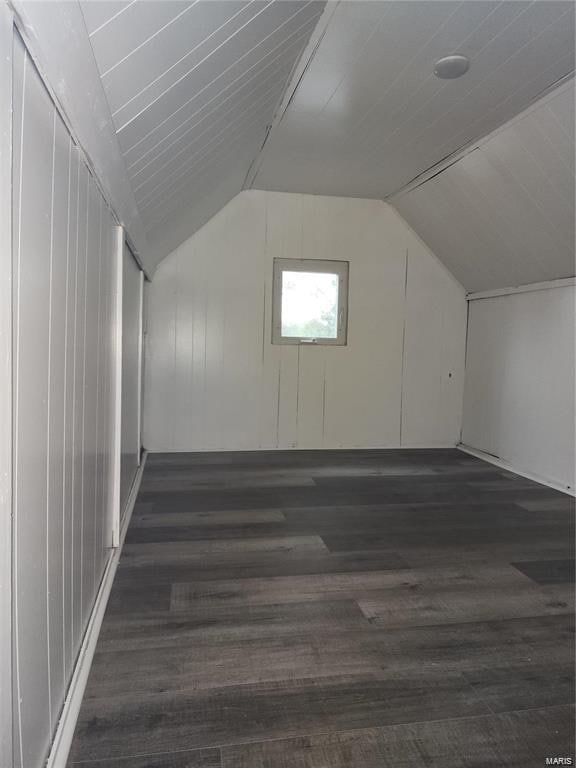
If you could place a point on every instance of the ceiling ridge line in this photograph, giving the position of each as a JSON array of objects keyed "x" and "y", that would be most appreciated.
[
  {"x": 294, "y": 80},
  {"x": 556, "y": 84},
  {"x": 546, "y": 95}
]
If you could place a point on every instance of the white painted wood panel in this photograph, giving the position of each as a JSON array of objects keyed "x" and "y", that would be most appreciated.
[
  {"x": 59, "y": 43},
  {"x": 192, "y": 88},
  {"x": 503, "y": 214},
  {"x": 34, "y": 123},
  {"x": 62, "y": 251},
  {"x": 215, "y": 381},
  {"x": 435, "y": 334},
  {"x": 368, "y": 115},
  {"x": 519, "y": 392},
  {"x": 131, "y": 345}
]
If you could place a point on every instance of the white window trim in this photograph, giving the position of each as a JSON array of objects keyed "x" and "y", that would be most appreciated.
[{"x": 340, "y": 268}]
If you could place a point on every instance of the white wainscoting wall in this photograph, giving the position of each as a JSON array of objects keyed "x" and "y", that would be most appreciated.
[
  {"x": 64, "y": 252},
  {"x": 520, "y": 388},
  {"x": 214, "y": 380}
]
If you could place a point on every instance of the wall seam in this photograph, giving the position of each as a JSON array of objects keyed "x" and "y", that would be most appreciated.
[
  {"x": 465, "y": 373},
  {"x": 64, "y": 416},
  {"x": 83, "y": 450},
  {"x": 97, "y": 435},
  {"x": 48, "y": 417},
  {"x": 16, "y": 413}
]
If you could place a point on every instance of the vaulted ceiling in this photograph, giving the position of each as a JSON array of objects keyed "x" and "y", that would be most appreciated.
[
  {"x": 192, "y": 88},
  {"x": 212, "y": 96},
  {"x": 369, "y": 114}
]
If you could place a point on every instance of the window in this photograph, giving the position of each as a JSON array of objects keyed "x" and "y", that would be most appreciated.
[{"x": 310, "y": 302}]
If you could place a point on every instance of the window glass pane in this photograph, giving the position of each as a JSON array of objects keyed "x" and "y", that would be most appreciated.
[{"x": 310, "y": 304}]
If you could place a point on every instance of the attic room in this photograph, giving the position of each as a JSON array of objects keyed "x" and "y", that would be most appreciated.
[{"x": 287, "y": 425}]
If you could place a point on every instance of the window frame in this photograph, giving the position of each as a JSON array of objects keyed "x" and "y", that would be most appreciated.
[{"x": 323, "y": 266}]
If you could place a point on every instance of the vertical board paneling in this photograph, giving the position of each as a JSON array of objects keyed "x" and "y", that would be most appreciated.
[
  {"x": 131, "y": 340},
  {"x": 6, "y": 303},
  {"x": 160, "y": 343},
  {"x": 434, "y": 338},
  {"x": 70, "y": 403},
  {"x": 62, "y": 253},
  {"x": 90, "y": 378},
  {"x": 56, "y": 377},
  {"x": 79, "y": 393},
  {"x": 215, "y": 381},
  {"x": 185, "y": 349},
  {"x": 519, "y": 393},
  {"x": 311, "y": 388},
  {"x": 109, "y": 240},
  {"x": 98, "y": 521},
  {"x": 34, "y": 123}
]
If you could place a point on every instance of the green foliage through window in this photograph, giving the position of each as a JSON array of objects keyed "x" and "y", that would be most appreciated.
[{"x": 309, "y": 305}]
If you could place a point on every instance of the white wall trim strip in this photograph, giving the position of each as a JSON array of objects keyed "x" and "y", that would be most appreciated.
[
  {"x": 117, "y": 390},
  {"x": 523, "y": 473},
  {"x": 140, "y": 360},
  {"x": 281, "y": 449},
  {"x": 65, "y": 732},
  {"x": 527, "y": 288},
  {"x": 6, "y": 37}
]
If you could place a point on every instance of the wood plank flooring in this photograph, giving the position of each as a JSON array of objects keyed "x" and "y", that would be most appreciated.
[{"x": 336, "y": 609}]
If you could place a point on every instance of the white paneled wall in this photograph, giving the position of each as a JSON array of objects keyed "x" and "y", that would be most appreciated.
[
  {"x": 215, "y": 381},
  {"x": 132, "y": 288},
  {"x": 520, "y": 388},
  {"x": 6, "y": 298},
  {"x": 63, "y": 252}
]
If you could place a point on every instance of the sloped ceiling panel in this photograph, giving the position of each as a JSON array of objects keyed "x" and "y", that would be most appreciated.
[
  {"x": 369, "y": 115},
  {"x": 503, "y": 215},
  {"x": 192, "y": 87}
]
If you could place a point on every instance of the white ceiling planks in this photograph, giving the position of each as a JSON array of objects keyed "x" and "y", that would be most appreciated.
[
  {"x": 369, "y": 115},
  {"x": 192, "y": 88},
  {"x": 503, "y": 214}
]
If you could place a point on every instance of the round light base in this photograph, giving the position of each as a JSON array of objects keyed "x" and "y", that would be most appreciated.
[{"x": 451, "y": 67}]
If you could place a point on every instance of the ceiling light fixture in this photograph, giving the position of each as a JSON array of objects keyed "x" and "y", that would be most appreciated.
[{"x": 451, "y": 67}]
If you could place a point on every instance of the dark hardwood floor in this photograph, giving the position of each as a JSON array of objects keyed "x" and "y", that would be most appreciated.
[{"x": 336, "y": 609}]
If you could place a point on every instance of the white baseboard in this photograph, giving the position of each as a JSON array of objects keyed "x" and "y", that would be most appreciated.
[
  {"x": 511, "y": 468},
  {"x": 65, "y": 732},
  {"x": 289, "y": 449}
]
